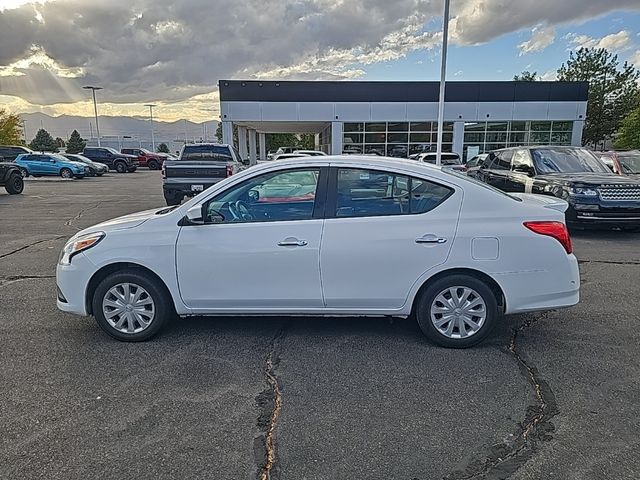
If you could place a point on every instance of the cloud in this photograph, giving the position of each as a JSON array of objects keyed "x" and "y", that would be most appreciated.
[
  {"x": 478, "y": 21},
  {"x": 635, "y": 59},
  {"x": 614, "y": 42},
  {"x": 549, "y": 75},
  {"x": 540, "y": 39}
]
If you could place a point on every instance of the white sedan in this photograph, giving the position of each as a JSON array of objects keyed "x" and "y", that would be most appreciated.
[{"x": 331, "y": 235}]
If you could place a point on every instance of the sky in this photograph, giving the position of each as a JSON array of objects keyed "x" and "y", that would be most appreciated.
[{"x": 172, "y": 53}]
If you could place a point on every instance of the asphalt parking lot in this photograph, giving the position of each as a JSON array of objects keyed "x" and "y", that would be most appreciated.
[{"x": 552, "y": 395}]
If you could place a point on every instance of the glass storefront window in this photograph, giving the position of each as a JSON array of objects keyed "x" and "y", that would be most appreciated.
[
  {"x": 353, "y": 138},
  {"x": 562, "y": 126},
  {"x": 420, "y": 126},
  {"x": 375, "y": 127},
  {"x": 375, "y": 137},
  {"x": 420, "y": 137},
  {"x": 539, "y": 138},
  {"x": 398, "y": 127},
  {"x": 353, "y": 127},
  {"x": 540, "y": 126},
  {"x": 518, "y": 126},
  {"x": 397, "y": 137}
]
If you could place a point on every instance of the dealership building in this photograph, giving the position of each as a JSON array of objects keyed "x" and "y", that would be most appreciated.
[{"x": 400, "y": 118}]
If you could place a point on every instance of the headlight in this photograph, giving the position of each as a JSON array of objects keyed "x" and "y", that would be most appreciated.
[
  {"x": 589, "y": 192},
  {"x": 78, "y": 245}
]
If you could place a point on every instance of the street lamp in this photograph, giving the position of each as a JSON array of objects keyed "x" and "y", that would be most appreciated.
[
  {"x": 153, "y": 139},
  {"x": 443, "y": 75},
  {"x": 24, "y": 130},
  {"x": 95, "y": 107}
]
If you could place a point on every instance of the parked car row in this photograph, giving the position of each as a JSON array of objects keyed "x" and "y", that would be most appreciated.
[{"x": 596, "y": 195}]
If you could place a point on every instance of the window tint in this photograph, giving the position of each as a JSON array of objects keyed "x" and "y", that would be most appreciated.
[
  {"x": 363, "y": 193},
  {"x": 206, "y": 153},
  {"x": 272, "y": 197},
  {"x": 502, "y": 160}
]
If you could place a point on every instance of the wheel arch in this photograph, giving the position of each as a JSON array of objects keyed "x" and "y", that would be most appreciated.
[
  {"x": 493, "y": 285},
  {"x": 107, "y": 270}
]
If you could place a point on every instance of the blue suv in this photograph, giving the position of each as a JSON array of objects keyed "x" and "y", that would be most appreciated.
[{"x": 38, "y": 164}]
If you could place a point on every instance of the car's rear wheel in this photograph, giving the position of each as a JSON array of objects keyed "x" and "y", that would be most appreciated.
[
  {"x": 153, "y": 165},
  {"x": 121, "y": 167},
  {"x": 457, "y": 311},
  {"x": 15, "y": 184},
  {"x": 131, "y": 306},
  {"x": 66, "y": 173}
]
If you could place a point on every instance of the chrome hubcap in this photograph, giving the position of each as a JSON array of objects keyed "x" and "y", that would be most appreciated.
[
  {"x": 458, "y": 312},
  {"x": 128, "y": 308}
]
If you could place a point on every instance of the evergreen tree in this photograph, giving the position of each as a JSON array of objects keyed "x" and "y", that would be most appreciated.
[
  {"x": 613, "y": 91},
  {"x": 163, "y": 148},
  {"x": 43, "y": 142},
  {"x": 60, "y": 142},
  {"x": 526, "y": 76},
  {"x": 75, "y": 144}
]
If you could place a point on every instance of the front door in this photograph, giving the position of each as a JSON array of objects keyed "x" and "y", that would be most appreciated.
[
  {"x": 387, "y": 230},
  {"x": 259, "y": 247}
]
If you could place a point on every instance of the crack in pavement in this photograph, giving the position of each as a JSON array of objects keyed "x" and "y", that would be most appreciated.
[
  {"x": 8, "y": 280},
  {"x": 270, "y": 402},
  {"x": 503, "y": 459},
  {"x": 79, "y": 215},
  {"x": 610, "y": 262},
  {"x": 31, "y": 245}
]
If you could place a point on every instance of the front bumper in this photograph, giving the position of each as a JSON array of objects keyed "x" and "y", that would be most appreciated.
[
  {"x": 72, "y": 281},
  {"x": 604, "y": 213}
]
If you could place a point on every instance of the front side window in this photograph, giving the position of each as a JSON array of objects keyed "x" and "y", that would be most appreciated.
[
  {"x": 277, "y": 196},
  {"x": 368, "y": 193}
]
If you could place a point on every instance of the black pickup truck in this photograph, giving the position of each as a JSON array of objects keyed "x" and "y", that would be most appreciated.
[
  {"x": 198, "y": 167},
  {"x": 11, "y": 178}
]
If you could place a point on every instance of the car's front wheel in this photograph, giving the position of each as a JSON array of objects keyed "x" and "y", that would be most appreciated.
[
  {"x": 15, "y": 184},
  {"x": 457, "y": 311},
  {"x": 66, "y": 173},
  {"x": 131, "y": 306},
  {"x": 121, "y": 167}
]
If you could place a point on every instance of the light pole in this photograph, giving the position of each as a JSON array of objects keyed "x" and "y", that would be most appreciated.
[
  {"x": 24, "y": 130},
  {"x": 185, "y": 131},
  {"x": 153, "y": 138},
  {"x": 95, "y": 107},
  {"x": 443, "y": 75}
]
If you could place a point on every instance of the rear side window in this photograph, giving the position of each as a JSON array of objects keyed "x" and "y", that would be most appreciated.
[
  {"x": 369, "y": 193},
  {"x": 207, "y": 153},
  {"x": 502, "y": 160}
]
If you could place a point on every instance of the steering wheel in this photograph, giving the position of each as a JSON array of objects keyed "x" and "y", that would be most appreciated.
[{"x": 242, "y": 211}]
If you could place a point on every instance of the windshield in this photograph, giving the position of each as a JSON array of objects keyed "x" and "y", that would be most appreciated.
[
  {"x": 567, "y": 160},
  {"x": 630, "y": 161},
  {"x": 464, "y": 176}
]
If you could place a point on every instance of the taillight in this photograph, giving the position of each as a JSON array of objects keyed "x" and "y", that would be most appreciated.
[
  {"x": 557, "y": 230},
  {"x": 229, "y": 170}
]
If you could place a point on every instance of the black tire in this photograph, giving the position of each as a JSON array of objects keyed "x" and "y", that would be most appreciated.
[
  {"x": 153, "y": 165},
  {"x": 161, "y": 301},
  {"x": 92, "y": 172},
  {"x": 66, "y": 173},
  {"x": 121, "y": 167},
  {"x": 24, "y": 172},
  {"x": 99, "y": 174},
  {"x": 132, "y": 169},
  {"x": 173, "y": 198},
  {"x": 15, "y": 184},
  {"x": 429, "y": 294}
]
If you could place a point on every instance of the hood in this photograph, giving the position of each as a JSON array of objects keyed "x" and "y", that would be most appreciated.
[
  {"x": 122, "y": 223},
  {"x": 594, "y": 179},
  {"x": 77, "y": 164}
]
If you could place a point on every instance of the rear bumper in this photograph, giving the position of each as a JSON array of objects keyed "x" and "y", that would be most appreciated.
[
  {"x": 186, "y": 186},
  {"x": 541, "y": 290}
]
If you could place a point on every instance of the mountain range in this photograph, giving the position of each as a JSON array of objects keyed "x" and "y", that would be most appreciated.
[{"x": 135, "y": 127}]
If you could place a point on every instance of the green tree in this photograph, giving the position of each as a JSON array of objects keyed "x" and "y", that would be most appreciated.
[
  {"x": 276, "y": 140},
  {"x": 43, "y": 142},
  {"x": 60, "y": 142},
  {"x": 219, "y": 132},
  {"x": 526, "y": 76},
  {"x": 75, "y": 144},
  {"x": 628, "y": 137},
  {"x": 307, "y": 141},
  {"x": 163, "y": 148},
  {"x": 613, "y": 91},
  {"x": 10, "y": 128}
]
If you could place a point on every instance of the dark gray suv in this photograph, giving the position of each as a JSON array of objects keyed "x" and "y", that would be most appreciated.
[{"x": 120, "y": 162}]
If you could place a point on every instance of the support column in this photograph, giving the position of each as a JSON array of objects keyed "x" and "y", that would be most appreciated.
[
  {"x": 253, "y": 158},
  {"x": 227, "y": 132},
  {"x": 576, "y": 133},
  {"x": 242, "y": 142},
  {"x": 458, "y": 137},
  {"x": 316, "y": 141},
  {"x": 336, "y": 138},
  {"x": 262, "y": 143}
]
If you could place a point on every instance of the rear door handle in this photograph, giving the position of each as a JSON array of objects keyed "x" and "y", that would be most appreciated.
[
  {"x": 430, "y": 238},
  {"x": 292, "y": 242}
]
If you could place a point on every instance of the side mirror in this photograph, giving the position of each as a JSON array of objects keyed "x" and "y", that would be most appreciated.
[
  {"x": 194, "y": 215},
  {"x": 254, "y": 195}
]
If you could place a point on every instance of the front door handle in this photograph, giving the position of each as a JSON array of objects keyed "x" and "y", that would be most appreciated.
[
  {"x": 430, "y": 238},
  {"x": 292, "y": 242}
]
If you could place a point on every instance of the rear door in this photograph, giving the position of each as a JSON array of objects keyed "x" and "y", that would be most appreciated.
[
  {"x": 496, "y": 172},
  {"x": 382, "y": 231}
]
